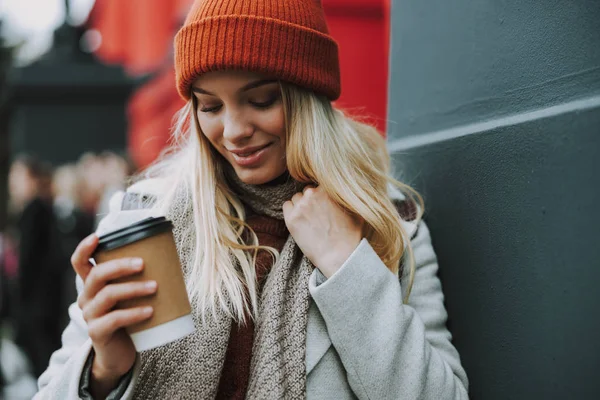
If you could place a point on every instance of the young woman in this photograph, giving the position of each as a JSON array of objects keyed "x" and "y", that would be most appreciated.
[{"x": 309, "y": 275}]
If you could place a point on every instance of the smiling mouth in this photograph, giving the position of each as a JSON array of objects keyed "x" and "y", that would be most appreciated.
[
  {"x": 251, "y": 156},
  {"x": 249, "y": 151},
  {"x": 248, "y": 154}
]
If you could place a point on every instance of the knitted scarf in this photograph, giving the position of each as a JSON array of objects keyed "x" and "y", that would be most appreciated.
[{"x": 191, "y": 367}]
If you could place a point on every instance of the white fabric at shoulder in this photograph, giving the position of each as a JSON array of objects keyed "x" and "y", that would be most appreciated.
[
  {"x": 395, "y": 193},
  {"x": 153, "y": 187},
  {"x": 150, "y": 187},
  {"x": 397, "y": 197},
  {"x": 114, "y": 204},
  {"x": 118, "y": 218}
]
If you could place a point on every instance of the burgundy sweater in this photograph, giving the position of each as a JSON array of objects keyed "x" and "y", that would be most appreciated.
[{"x": 236, "y": 369}]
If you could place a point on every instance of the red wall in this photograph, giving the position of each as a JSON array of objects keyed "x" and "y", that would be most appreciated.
[{"x": 361, "y": 28}]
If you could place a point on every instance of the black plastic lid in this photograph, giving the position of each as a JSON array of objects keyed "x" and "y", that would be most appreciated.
[{"x": 140, "y": 230}]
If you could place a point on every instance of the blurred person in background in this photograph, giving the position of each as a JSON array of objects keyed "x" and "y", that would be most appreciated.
[
  {"x": 8, "y": 272},
  {"x": 115, "y": 171},
  {"x": 91, "y": 172},
  {"x": 41, "y": 266},
  {"x": 68, "y": 189},
  {"x": 5, "y": 257},
  {"x": 73, "y": 224}
]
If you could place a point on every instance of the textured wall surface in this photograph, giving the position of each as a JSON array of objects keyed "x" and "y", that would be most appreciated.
[
  {"x": 495, "y": 119},
  {"x": 458, "y": 61}
]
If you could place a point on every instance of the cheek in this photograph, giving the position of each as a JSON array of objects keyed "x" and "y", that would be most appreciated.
[
  {"x": 273, "y": 123},
  {"x": 211, "y": 129}
]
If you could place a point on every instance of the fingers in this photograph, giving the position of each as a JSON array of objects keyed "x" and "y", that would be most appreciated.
[
  {"x": 296, "y": 198},
  {"x": 110, "y": 295},
  {"x": 308, "y": 189},
  {"x": 289, "y": 205},
  {"x": 82, "y": 254},
  {"x": 101, "y": 329},
  {"x": 102, "y": 274},
  {"x": 287, "y": 209}
]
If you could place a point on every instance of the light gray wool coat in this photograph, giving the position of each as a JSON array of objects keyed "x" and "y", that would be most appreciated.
[{"x": 362, "y": 341}]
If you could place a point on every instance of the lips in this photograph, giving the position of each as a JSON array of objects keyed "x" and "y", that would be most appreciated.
[
  {"x": 250, "y": 156},
  {"x": 248, "y": 151}
]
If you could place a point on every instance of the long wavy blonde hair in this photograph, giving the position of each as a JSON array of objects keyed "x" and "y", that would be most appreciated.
[{"x": 325, "y": 147}]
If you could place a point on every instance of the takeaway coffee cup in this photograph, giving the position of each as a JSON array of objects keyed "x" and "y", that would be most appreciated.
[{"x": 152, "y": 240}]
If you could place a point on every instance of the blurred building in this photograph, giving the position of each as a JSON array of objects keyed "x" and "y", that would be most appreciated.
[{"x": 68, "y": 103}]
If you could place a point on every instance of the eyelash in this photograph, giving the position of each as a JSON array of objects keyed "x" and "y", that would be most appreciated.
[
  {"x": 261, "y": 106},
  {"x": 211, "y": 109},
  {"x": 265, "y": 104}
]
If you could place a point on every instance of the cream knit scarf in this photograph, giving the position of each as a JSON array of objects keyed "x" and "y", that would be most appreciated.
[{"x": 191, "y": 367}]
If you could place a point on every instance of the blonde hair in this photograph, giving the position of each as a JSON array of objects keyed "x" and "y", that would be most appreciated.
[{"x": 346, "y": 157}]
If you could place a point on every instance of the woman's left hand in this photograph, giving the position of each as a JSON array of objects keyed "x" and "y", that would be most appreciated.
[{"x": 325, "y": 233}]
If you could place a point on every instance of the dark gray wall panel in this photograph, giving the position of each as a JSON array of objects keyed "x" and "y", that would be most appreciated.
[
  {"x": 514, "y": 218},
  {"x": 494, "y": 113}
]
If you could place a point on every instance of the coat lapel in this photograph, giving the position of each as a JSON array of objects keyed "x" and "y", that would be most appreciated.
[{"x": 317, "y": 338}]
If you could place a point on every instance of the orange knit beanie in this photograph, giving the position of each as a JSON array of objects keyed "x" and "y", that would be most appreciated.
[{"x": 282, "y": 39}]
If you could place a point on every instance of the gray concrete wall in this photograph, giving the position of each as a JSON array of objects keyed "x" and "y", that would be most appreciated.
[
  {"x": 460, "y": 61},
  {"x": 494, "y": 116}
]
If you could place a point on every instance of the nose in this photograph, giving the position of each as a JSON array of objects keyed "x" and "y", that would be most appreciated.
[{"x": 236, "y": 128}]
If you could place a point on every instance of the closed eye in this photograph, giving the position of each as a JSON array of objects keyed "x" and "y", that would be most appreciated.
[
  {"x": 265, "y": 104},
  {"x": 211, "y": 109}
]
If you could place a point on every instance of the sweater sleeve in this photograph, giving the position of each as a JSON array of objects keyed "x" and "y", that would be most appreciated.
[
  {"x": 390, "y": 349},
  {"x": 86, "y": 377}
]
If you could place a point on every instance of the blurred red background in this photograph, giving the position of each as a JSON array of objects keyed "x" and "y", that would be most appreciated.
[{"x": 138, "y": 35}]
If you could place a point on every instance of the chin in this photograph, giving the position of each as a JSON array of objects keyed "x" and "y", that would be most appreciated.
[{"x": 257, "y": 176}]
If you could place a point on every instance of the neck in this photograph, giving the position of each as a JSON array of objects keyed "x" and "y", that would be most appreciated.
[
  {"x": 266, "y": 199},
  {"x": 280, "y": 180}
]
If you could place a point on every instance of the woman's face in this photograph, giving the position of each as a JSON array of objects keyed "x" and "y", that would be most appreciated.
[{"x": 241, "y": 114}]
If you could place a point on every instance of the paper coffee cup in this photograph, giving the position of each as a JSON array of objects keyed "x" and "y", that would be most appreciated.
[{"x": 152, "y": 240}]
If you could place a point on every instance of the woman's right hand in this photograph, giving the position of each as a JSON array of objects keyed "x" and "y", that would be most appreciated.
[{"x": 115, "y": 353}]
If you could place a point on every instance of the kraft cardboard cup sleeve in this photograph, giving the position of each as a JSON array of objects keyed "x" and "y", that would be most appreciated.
[{"x": 152, "y": 240}]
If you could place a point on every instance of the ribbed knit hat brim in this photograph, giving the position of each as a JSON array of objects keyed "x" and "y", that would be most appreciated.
[{"x": 272, "y": 47}]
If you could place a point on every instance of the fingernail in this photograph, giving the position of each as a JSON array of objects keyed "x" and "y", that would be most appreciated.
[
  {"x": 150, "y": 285},
  {"x": 90, "y": 239},
  {"x": 137, "y": 263},
  {"x": 147, "y": 310}
]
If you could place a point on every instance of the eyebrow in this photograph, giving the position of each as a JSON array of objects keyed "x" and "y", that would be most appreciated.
[{"x": 249, "y": 86}]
